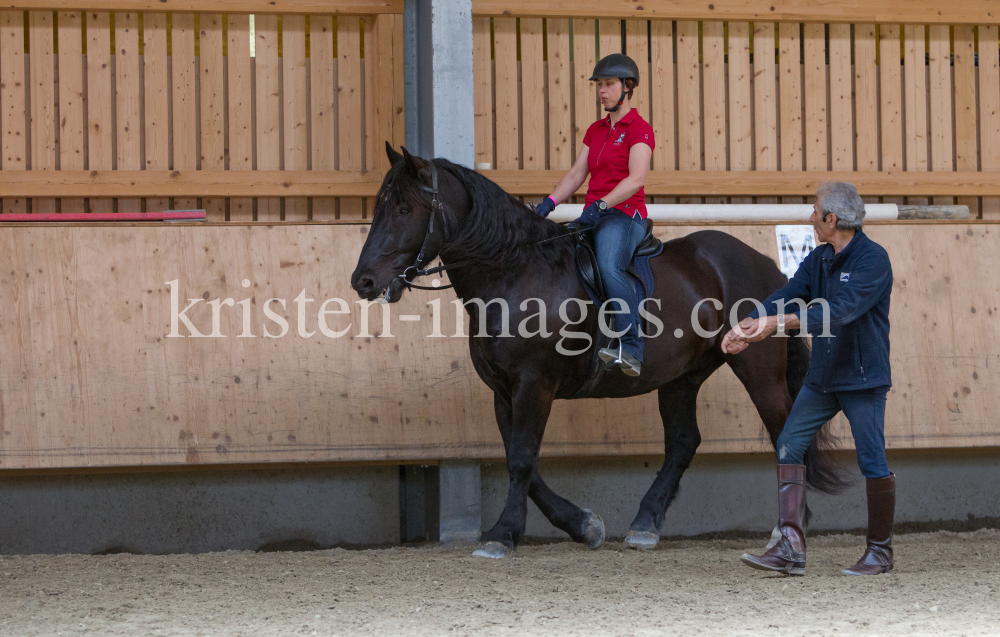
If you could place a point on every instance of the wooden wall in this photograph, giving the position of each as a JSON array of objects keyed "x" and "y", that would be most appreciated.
[
  {"x": 742, "y": 94},
  {"x": 89, "y": 377},
  {"x": 98, "y": 95}
]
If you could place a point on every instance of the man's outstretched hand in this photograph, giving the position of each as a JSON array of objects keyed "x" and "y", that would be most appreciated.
[{"x": 753, "y": 330}]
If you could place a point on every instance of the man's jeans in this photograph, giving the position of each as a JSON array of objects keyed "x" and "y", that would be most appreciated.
[
  {"x": 616, "y": 237},
  {"x": 865, "y": 410}
]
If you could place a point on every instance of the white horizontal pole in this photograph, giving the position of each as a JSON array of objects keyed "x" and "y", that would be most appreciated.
[{"x": 732, "y": 212}]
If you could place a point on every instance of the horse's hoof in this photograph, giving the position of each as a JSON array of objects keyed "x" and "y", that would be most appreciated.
[
  {"x": 593, "y": 536},
  {"x": 643, "y": 540},
  {"x": 493, "y": 550}
]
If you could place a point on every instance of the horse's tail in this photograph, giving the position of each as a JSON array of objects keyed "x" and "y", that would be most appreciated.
[{"x": 822, "y": 472}]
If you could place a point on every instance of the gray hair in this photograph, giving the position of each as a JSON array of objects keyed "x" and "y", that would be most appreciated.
[{"x": 841, "y": 199}]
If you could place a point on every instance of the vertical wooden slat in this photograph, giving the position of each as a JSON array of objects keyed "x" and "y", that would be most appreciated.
[
  {"x": 637, "y": 48},
  {"x": 560, "y": 93},
  {"x": 740, "y": 102},
  {"x": 610, "y": 34},
  {"x": 891, "y": 98},
  {"x": 368, "y": 103},
  {"x": 43, "y": 100},
  {"x": 584, "y": 59},
  {"x": 714, "y": 97},
  {"x": 239, "y": 108},
  {"x": 940, "y": 85},
  {"x": 349, "y": 105},
  {"x": 389, "y": 89},
  {"x": 323, "y": 101},
  {"x": 915, "y": 104},
  {"x": 13, "y": 137},
  {"x": 482, "y": 72},
  {"x": 989, "y": 110},
  {"x": 663, "y": 111},
  {"x": 532, "y": 106},
  {"x": 156, "y": 90},
  {"x": 814, "y": 50},
  {"x": 688, "y": 87},
  {"x": 100, "y": 105},
  {"x": 184, "y": 77},
  {"x": 865, "y": 101},
  {"x": 295, "y": 103},
  {"x": 267, "y": 73},
  {"x": 70, "y": 97},
  {"x": 213, "y": 104},
  {"x": 790, "y": 97},
  {"x": 508, "y": 131},
  {"x": 841, "y": 108},
  {"x": 966, "y": 157},
  {"x": 765, "y": 100},
  {"x": 128, "y": 101}
]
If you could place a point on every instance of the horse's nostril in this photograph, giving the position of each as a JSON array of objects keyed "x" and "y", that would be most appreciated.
[{"x": 365, "y": 284}]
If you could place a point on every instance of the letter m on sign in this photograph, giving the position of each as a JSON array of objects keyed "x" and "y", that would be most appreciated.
[{"x": 794, "y": 244}]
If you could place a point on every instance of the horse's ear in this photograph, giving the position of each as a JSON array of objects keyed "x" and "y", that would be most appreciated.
[
  {"x": 394, "y": 157},
  {"x": 413, "y": 164}
]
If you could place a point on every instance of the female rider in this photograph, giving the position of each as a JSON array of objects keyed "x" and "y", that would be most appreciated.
[{"x": 616, "y": 152}]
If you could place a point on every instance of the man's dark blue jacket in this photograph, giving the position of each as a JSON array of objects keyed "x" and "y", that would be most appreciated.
[{"x": 856, "y": 283}]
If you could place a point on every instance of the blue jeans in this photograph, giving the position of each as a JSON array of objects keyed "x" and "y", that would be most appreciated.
[
  {"x": 865, "y": 410},
  {"x": 616, "y": 237}
]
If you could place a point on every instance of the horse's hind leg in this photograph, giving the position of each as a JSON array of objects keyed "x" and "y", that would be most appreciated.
[
  {"x": 581, "y": 525},
  {"x": 761, "y": 369},
  {"x": 678, "y": 409}
]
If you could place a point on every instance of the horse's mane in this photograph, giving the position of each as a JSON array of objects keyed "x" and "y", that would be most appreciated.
[{"x": 500, "y": 231}]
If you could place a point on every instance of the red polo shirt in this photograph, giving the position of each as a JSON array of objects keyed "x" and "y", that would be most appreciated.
[{"x": 608, "y": 157}]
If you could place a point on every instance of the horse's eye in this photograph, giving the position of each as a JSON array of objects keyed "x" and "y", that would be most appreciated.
[{"x": 404, "y": 210}]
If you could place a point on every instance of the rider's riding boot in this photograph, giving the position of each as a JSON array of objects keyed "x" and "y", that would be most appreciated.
[
  {"x": 629, "y": 364},
  {"x": 881, "y": 508},
  {"x": 788, "y": 554}
]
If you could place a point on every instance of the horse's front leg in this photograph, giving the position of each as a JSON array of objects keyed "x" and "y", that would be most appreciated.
[{"x": 531, "y": 404}]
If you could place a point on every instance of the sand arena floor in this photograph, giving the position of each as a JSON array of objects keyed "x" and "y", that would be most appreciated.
[{"x": 945, "y": 584}]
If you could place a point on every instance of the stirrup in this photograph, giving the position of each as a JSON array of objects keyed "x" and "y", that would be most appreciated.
[{"x": 629, "y": 365}]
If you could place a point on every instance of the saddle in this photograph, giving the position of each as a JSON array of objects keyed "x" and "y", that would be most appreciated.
[{"x": 590, "y": 276}]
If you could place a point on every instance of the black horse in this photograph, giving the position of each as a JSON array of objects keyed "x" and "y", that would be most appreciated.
[{"x": 496, "y": 248}]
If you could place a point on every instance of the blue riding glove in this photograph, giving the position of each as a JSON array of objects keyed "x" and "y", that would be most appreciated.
[
  {"x": 589, "y": 217},
  {"x": 545, "y": 206}
]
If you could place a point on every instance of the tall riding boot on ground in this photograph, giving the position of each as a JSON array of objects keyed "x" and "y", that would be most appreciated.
[
  {"x": 788, "y": 554},
  {"x": 881, "y": 510}
]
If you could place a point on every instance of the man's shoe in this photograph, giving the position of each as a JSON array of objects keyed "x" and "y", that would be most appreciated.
[
  {"x": 881, "y": 511},
  {"x": 629, "y": 364},
  {"x": 788, "y": 553}
]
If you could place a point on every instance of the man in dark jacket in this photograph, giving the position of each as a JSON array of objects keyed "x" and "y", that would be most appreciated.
[{"x": 846, "y": 282}]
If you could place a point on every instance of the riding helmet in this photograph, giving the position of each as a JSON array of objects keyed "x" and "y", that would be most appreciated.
[{"x": 616, "y": 65}]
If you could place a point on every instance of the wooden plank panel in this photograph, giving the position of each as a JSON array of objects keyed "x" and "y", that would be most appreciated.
[
  {"x": 349, "y": 105},
  {"x": 637, "y": 48},
  {"x": 584, "y": 59},
  {"x": 157, "y": 94},
  {"x": 482, "y": 72},
  {"x": 295, "y": 102},
  {"x": 532, "y": 108},
  {"x": 70, "y": 100},
  {"x": 100, "y": 102},
  {"x": 560, "y": 96},
  {"x": 891, "y": 97},
  {"x": 43, "y": 100},
  {"x": 740, "y": 100},
  {"x": 323, "y": 102},
  {"x": 940, "y": 86},
  {"x": 184, "y": 77},
  {"x": 765, "y": 100},
  {"x": 841, "y": 108},
  {"x": 714, "y": 82},
  {"x": 240, "y": 103},
  {"x": 966, "y": 152},
  {"x": 13, "y": 120},
  {"x": 866, "y": 98},
  {"x": 663, "y": 109},
  {"x": 610, "y": 37},
  {"x": 213, "y": 105},
  {"x": 790, "y": 98},
  {"x": 128, "y": 101},
  {"x": 916, "y": 140},
  {"x": 815, "y": 96},
  {"x": 505, "y": 54},
  {"x": 989, "y": 110},
  {"x": 267, "y": 73},
  {"x": 688, "y": 86},
  {"x": 353, "y": 7}
]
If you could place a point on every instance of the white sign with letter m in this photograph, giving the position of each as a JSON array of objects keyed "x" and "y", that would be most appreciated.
[{"x": 794, "y": 243}]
